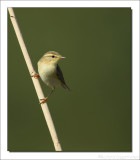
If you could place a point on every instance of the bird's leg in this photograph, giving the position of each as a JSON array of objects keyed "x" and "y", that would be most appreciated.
[
  {"x": 45, "y": 99},
  {"x": 36, "y": 75}
]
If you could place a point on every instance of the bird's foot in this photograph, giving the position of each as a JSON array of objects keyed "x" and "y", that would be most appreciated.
[
  {"x": 43, "y": 100},
  {"x": 36, "y": 75}
]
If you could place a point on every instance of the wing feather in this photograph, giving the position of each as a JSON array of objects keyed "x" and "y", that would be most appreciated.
[{"x": 61, "y": 77}]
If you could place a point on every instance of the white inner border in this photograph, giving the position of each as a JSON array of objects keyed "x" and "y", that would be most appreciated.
[{"x": 71, "y": 155}]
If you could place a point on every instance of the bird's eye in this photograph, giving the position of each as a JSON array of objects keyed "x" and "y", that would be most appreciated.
[{"x": 53, "y": 56}]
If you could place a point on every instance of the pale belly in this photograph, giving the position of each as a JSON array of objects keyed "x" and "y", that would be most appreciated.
[{"x": 48, "y": 75}]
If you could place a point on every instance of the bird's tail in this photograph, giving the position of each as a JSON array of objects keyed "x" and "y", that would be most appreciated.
[{"x": 65, "y": 86}]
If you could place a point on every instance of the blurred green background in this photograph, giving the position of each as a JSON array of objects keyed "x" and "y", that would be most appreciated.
[{"x": 96, "y": 114}]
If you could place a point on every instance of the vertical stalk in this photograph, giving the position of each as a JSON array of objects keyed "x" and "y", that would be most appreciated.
[{"x": 36, "y": 83}]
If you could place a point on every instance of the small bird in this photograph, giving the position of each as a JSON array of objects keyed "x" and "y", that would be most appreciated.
[{"x": 50, "y": 72}]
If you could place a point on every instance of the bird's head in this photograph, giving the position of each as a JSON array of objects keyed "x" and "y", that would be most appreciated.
[{"x": 51, "y": 57}]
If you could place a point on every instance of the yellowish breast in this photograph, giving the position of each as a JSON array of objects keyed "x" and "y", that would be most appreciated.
[{"x": 48, "y": 74}]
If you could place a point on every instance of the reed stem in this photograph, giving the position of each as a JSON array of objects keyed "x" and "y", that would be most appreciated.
[{"x": 36, "y": 83}]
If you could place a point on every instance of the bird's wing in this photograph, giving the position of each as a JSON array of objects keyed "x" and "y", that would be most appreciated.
[{"x": 61, "y": 78}]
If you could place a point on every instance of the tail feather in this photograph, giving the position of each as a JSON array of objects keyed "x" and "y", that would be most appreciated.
[{"x": 65, "y": 86}]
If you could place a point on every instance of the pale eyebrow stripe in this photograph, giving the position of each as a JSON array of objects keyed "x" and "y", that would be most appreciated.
[{"x": 47, "y": 55}]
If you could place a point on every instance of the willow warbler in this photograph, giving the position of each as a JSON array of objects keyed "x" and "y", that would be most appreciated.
[{"x": 50, "y": 72}]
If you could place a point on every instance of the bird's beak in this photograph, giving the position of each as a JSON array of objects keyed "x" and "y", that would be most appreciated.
[{"x": 62, "y": 57}]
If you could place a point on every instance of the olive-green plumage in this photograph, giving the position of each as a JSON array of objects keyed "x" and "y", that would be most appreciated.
[{"x": 49, "y": 70}]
